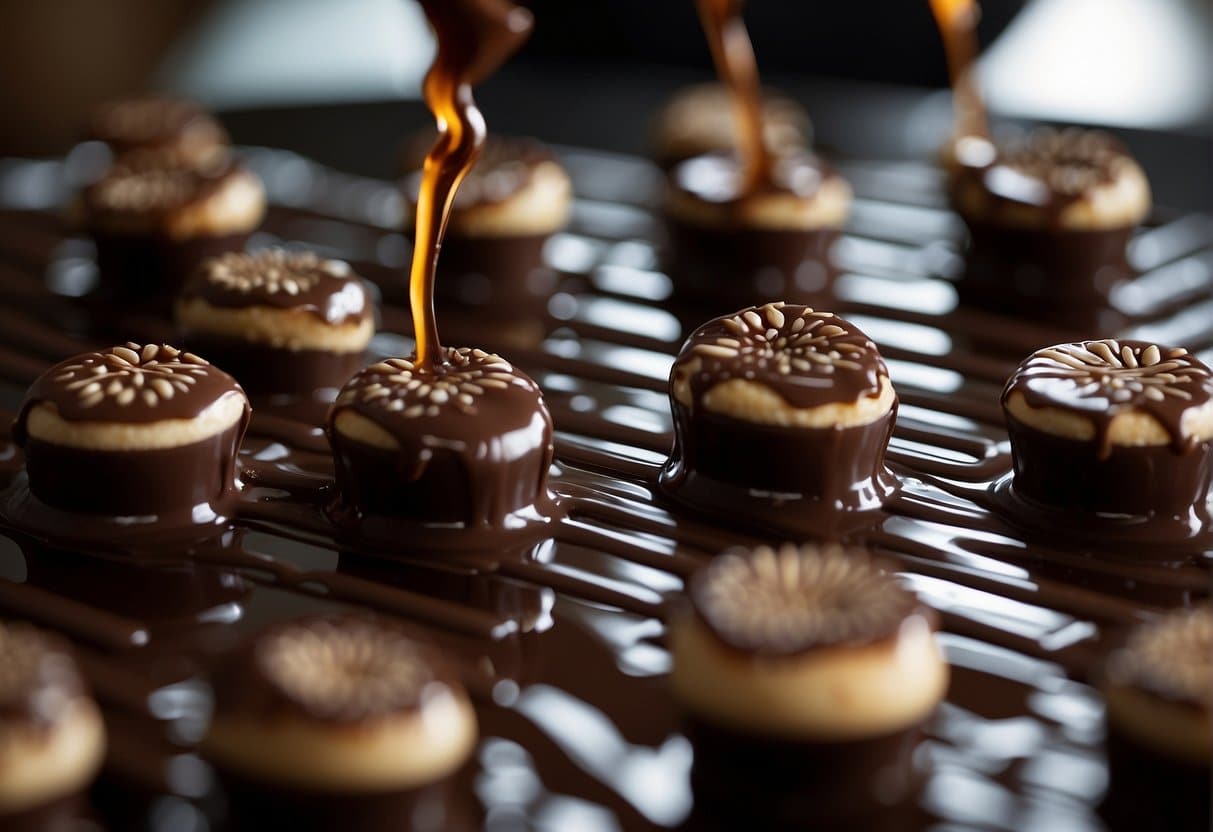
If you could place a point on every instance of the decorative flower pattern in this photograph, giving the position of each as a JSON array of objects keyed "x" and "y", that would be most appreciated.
[
  {"x": 272, "y": 271},
  {"x": 1120, "y": 371},
  {"x": 767, "y": 338},
  {"x": 148, "y": 373}
]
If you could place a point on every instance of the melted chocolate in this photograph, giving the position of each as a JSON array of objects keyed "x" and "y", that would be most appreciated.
[
  {"x": 544, "y": 631},
  {"x": 1101, "y": 380},
  {"x": 279, "y": 279}
]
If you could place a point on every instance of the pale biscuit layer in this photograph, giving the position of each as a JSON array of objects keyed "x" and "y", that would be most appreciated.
[
  {"x": 541, "y": 206},
  {"x": 752, "y": 401},
  {"x": 43, "y": 422},
  {"x": 1131, "y": 429},
  {"x": 824, "y": 694},
  {"x": 40, "y": 765},
  {"x": 236, "y": 206},
  {"x": 1122, "y": 203},
  {"x": 769, "y": 211},
  {"x": 290, "y": 329},
  {"x": 1176, "y": 730},
  {"x": 403, "y": 751},
  {"x": 702, "y": 120}
]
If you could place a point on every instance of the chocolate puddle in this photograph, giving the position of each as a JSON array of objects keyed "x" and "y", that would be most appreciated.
[{"x": 560, "y": 633}]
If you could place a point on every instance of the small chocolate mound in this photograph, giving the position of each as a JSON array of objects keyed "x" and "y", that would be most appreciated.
[
  {"x": 282, "y": 279},
  {"x": 1070, "y": 162},
  {"x": 779, "y": 602},
  {"x": 1101, "y": 379},
  {"x": 135, "y": 383},
  {"x": 151, "y": 122},
  {"x": 1171, "y": 658},
  {"x": 809, "y": 358},
  {"x": 339, "y": 668},
  {"x": 38, "y": 678},
  {"x": 155, "y": 183}
]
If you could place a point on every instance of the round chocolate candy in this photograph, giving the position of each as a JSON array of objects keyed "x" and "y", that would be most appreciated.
[
  {"x": 1049, "y": 215},
  {"x": 1159, "y": 692},
  {"x": 52, "y": 739},
  {"x": 154, "y": 219},
  {"x": 286, "y": 322},
  {"x": 466, "y": 442},
  {"x": 701, "y": 119},
  {"x": 337, "y": 719},
  {"x": 133, "y": 431},
  {"x": 805, "y": 674},
  {"x": 1114, "y": 427},
  {"x": 515, "y": 198},
  {"x": 780, "y": 408},
  {"x": 180, "y": 129}
]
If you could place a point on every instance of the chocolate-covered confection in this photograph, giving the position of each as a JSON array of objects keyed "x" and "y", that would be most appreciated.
[
  {"x": 1049, "y": 215},
  {"x": 51, "y": 736},
  {"x": 1113, "y": 427},
  {"x": 1159, "y": 690},
  {"x": 700, "y": 119},
  {"x": 467, "y": 442},
  {"x": 805, "y": 673},
  {"x": 781, "y": 413},
  {"x": 730, "y": 247},
  {"x": 155, "y": 218},
  {"x": 515, "y": 197},
  {"x": 338, "y": 721},
  {"x": 282, "y": 321},
  {"x": 180, "y": 129},
  {"x": 135, "y": 431}
]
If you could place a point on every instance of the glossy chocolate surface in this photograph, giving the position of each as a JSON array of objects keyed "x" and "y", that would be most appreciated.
[{"x": 560, "y": 641}]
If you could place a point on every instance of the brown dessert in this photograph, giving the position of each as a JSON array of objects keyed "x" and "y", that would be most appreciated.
[
  {"x": 177, "y": 128},
  {"x": 1049, "y": 216},
  {"x": 781, "y": 413},
  {"x": 1115, "y": 428},
  {"x": 1159, "y": 692},
  {"x": 136, "y": 431},
  {"x": 154, "y": 219},
  {"x": 699, "y": 120},
  {"x": 730, "y": 247},
  {"x": 52, "y": 739},
  {"x": 514, "y": 199},
  {"x": 805, "y": 673},
  {"x": 338, "y": 721},
  {"x": 281, "y": 321},
  {"x": 466, "y": 442}
]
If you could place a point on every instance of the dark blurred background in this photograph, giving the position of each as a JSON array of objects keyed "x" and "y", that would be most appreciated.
[{"x": 339, "y": 79}]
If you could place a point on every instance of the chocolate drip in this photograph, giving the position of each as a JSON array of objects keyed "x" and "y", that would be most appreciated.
[
  {"x": 957, "y": 22},
  {"x": 1100, "y": 380},
  {"x": 808, "y": 358},
  {"x": 280, "y": 279}
]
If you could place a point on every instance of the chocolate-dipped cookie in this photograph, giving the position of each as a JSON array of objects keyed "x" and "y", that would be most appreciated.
[
  {"x": 1159, "y": 693},
  {"x": 805, "y": 674},
  {"x": 284, "y": 322},
  {"x": 701, "y": 119},
  {"x": 338, "y": 721},
  {"x": 513, "y": 200},
  {"x": 52, "y": 739},
  {"x": 781, "y": 413},
  {"x": 1049, "y": 215},
  {"x": 1113, "y": 427},
  {"x": 178, "y": 128},
  {"x": 154, "y": 219},
  {"x": 135, "y": 431},
  {"x": 729, "y": 247},
  {"x": 467, "y": 443}
]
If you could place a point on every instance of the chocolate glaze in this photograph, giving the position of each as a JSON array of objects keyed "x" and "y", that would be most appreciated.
[
  {"x": 1151, "y": 792},
  {"x": 279, "y": 279},
  {"x": 786, "y": 602},
  {"x": 1100, "y": 380},
  {"x": 1024, "y": 617},
  {"x": 474, "y": 436},
  {"x": 146, "y": 271},
  {"x": 496, "y": 271}
]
